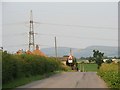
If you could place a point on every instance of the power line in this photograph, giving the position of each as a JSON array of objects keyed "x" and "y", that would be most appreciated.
[
  {"x": 21, "y": 45},
  {"x": 66, "y": 36},
  {"x": 14, "y": 46},
  {"x": 15, "y": 34},
  {"x": 71, "y": 36},
  {"x": 93, "y": 27},
  {"x": 68, "y": 25},
  {"x": 82, "y": 49}
]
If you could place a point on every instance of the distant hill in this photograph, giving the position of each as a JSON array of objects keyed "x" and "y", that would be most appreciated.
[
  {"x": 61, "y": 51},
  {"x": 108, "y": 50}
]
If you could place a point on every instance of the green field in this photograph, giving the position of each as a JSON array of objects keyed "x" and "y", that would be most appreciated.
[{"x": 88, "y": 67}]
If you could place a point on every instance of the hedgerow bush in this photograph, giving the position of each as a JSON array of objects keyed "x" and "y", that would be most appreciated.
[
  {"x": 109, "y": 72},
  {"x": 18, "y": 66}
]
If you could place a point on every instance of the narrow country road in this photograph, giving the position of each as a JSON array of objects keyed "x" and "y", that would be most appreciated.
[{"x": 69, "y": 80}]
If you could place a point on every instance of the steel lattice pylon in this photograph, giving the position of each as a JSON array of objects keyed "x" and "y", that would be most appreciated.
[{"x": 31, "y": 33}]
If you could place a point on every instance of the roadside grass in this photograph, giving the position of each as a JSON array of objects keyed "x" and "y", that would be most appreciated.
[
  {"x": 88, "y": 67},
  {"x": 25, "y": 80}
]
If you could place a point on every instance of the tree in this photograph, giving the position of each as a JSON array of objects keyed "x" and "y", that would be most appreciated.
[
  {"x": 90, "y": 59},
  {"x": 109, "y": 61},
  {"x": 98, "y": 57}
]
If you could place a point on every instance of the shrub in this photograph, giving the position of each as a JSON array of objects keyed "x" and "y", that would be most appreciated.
[
  {"x": 17, "y": 66},
  {"x": 109, "y": 72}
]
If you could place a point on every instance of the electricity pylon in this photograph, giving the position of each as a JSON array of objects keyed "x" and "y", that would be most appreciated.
[{"x": 31, "y": 33}]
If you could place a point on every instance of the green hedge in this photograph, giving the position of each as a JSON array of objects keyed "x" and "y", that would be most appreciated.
[
  {"x": 17, "y": 66},
  {"x": 109, "y": 72}
]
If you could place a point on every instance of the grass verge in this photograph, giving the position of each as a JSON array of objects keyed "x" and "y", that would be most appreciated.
[{"x": 26, "y": 80}]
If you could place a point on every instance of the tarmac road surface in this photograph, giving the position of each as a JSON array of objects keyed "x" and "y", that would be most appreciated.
[{"x": 69, "y": 80}]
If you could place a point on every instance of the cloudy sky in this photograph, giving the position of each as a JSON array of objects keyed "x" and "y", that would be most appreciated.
[{"x": 75, "y": 24}]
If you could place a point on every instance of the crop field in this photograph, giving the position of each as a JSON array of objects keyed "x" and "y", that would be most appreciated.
[{"x": 88, "y": 67}]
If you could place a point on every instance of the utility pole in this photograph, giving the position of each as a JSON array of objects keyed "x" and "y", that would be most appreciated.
[
  {"x": 70, "y": 51},
  {"x": 71, "y": 57},
  {"x": 31, "y": 34},
  {"x": 55, "y": 48}
]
